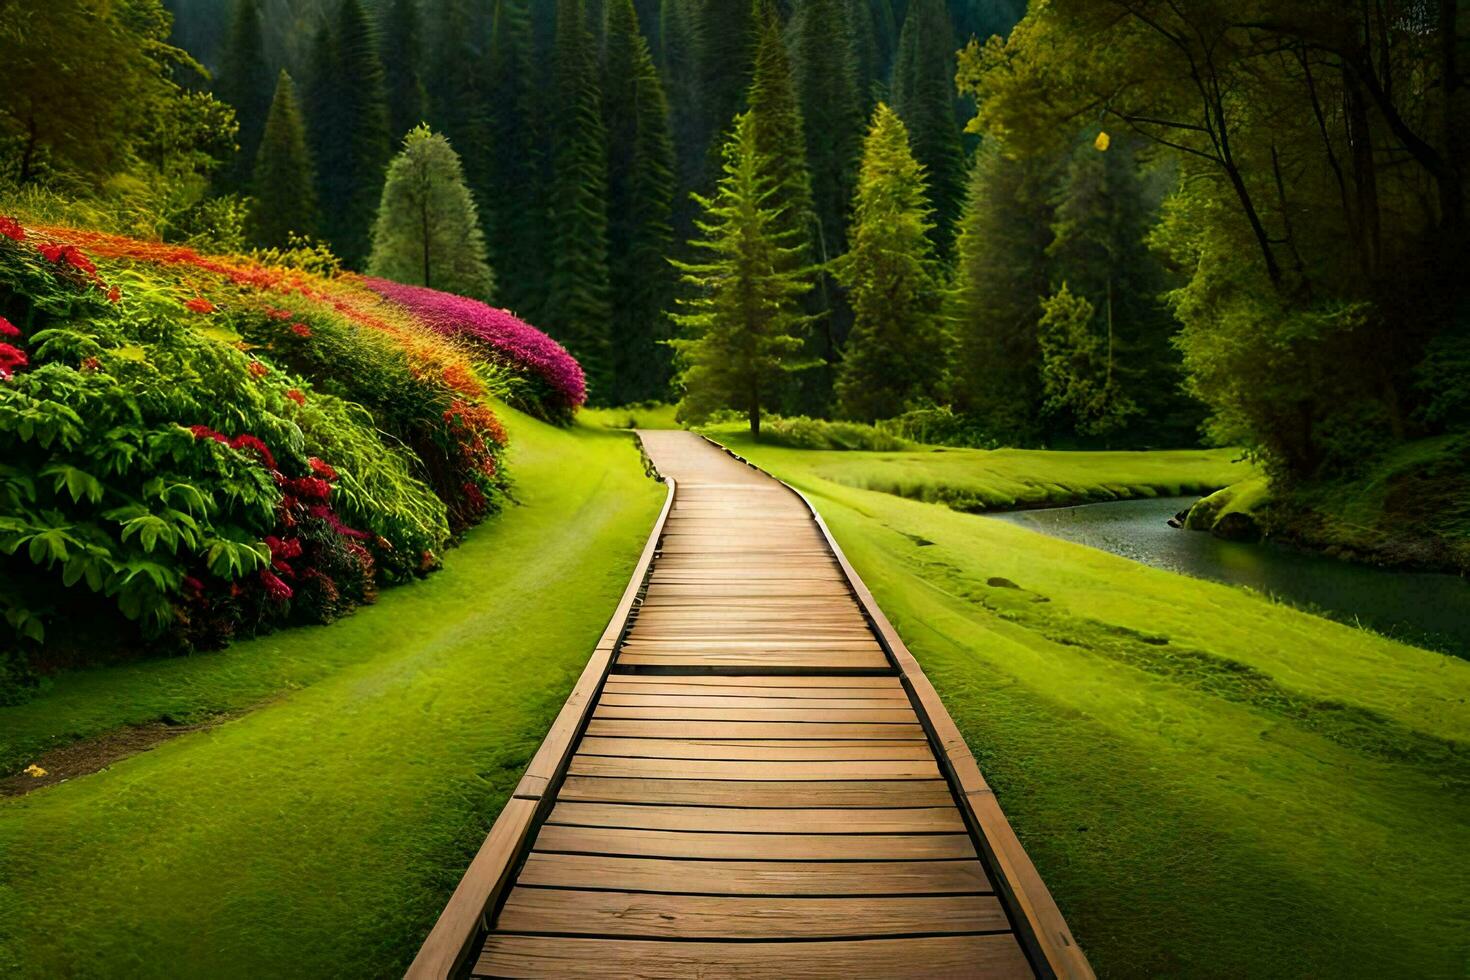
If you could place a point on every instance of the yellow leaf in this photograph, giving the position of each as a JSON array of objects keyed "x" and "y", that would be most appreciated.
[
  {"x": 1102, "y": 142},
  {"x": 34, "y": 771}
]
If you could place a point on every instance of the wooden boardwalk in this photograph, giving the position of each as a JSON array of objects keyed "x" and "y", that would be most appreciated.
[{"x": 753, "y": 778}]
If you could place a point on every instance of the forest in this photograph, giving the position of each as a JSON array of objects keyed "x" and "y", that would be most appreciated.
[{"x": 311, "y": 306}]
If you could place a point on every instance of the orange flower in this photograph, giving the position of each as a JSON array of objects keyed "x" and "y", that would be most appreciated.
[{"x": 199, "y": 305}]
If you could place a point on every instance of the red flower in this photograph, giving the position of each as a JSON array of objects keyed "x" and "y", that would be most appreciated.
[
  {"x": 205, "y": 432},
  {"x": 311, "y": 488},
  {"x": 91, "y": 365},
  {"x": 199, "y": 305},
  {"x": 11, "y": 229},
  {"x": 283, "y": 549},
  {"x": 193, "y": 585},
  {"x": 258, "y": 369},
  {"x": 274, "y": 587},
  {"x": 8, "y": 329},
  {"x": 279, "y": 314},
  {"x": 10, "y": 359},
  {"x": 301, "y": 330},
  {"x": 321, "y": 469},
  {"x": 114, "y": 294},
  {"x": 78, "y": 260},
  {"x": 296, "y": 396},
  {"x": 247, "y": 441}
]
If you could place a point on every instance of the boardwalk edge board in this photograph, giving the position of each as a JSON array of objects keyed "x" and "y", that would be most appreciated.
[
  {"x": 1039, "y": 919},
  {"x": 451, "y": 945}
]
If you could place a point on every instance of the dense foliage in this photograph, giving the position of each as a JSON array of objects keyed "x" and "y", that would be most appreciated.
[{"x": 212, "y": 446}]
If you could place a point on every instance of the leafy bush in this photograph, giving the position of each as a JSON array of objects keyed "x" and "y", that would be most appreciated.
[
  {"x": 801, "y": 432},
  {"x": 213, "y": 446},
  {"x": 557, "y": 387}
]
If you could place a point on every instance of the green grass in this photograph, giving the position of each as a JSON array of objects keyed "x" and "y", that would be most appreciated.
[
  {"x": 1007, "y": 479},
  {"x": 646, "y": 416},
  {"x": 1212, "y": 785},
  {"x": 320, "y": 834}
]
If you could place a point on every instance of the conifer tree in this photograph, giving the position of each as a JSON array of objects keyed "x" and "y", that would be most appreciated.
[
  {"x": 779, "y": 134},
  {"x": 284, "y": 182},
  {"x": 726, "y": 38},
  {"x": 457, "y": 93},
  {"x": 867, "y": 58},
  {"x": 741, "y": 330},
  {"x": 678, "y": 61},
  {"x": 402, "y": 65},
  {"x": 893, "y": 358},
  {"x": 1000, "y": 275},
  {"x": 348, "y": 119},
  {"x": 579, "y": 306},
  {"x": 513, "y": 201},
  {"x": 428, "y": 230},
  {"x": 826, "y": 84},
  {"x": 924, "y": 96},
  {"x": 245, "y": 84},
  {"x": 640, "y": 200}
]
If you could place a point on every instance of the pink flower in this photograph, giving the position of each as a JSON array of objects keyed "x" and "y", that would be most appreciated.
[
  {"x": 274, "y": 587},
  {"x": 8, "y": 329}
]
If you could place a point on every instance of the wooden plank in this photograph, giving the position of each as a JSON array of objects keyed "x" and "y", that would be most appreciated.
[
  {"x": 793, "y": 750},
  {"x": 630, "y": 914},
  {"x": 769, "y": 847},
  {"x": 917, "y": 820},
  {"x": 642, "y": 728},
  {"x": 754, "y": 877},
  {"x": 614, "y": 698},
  {"x": 901, "y": 715},
  {"x": 807, "y": 660},
  {"x": 594, "y": 765},
  {"x": 665, "y": 686},
  {"x": 758, "y": 680},
  {"x": 774, "y": 794}
]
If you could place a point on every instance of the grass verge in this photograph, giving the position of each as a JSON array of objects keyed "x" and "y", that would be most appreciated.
[
  {"x": 320, "y": 834},
  {"x": 978, "y": 480},
  {"x": 1211, "y": 784}
]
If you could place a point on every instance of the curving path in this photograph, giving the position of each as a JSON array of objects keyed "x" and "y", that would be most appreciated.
[{"x": 753, "y": 779}]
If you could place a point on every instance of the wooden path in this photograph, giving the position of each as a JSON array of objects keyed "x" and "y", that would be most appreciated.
[{"x": 753, "y": 778}]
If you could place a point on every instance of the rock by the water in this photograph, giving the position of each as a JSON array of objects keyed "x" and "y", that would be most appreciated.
[{"x": 1237, "y": 526}]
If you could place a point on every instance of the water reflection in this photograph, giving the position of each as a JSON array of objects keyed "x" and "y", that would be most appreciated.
[{"x": 1425, "y": 609}]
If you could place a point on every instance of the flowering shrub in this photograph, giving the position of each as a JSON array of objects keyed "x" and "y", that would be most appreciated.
[
  {"x": 558, "y": 387},
  {"x": 215, "y": 446}
]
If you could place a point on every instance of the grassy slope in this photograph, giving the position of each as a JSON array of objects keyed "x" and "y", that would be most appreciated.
[
  {"x": 320, "y": 835},
  {"x": 1212, "y": 785},
  {"x": 1004, "y": 479}
]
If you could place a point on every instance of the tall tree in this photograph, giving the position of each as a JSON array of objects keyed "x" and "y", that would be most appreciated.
[
  {"x": 867, "y": 53},
  {"x": 1079, "y": 374},
  {"x": 1000, "y": 276},
  {"x": 679, "y": 43},
  {"x": 428, "y": 231},
  {"x": 348, "y": 118},
  {"x": 640, "y": 200},
  {"x": 455, "y": 83},
  {"x": 726, "y": 38},
  {"x": 780, "y": 135},
  {"x": 832, "y": 114},
  {"x": 894, "y": 356},
  {"x": 579, "y": 306},
  {"x": 245, "y": 83},
  {"x": 924, "y": 96},
  {"x": 513, "y": 202},
  {"x": 741, "y": 330},
  {"x": 402, "y": 66},
  {"x": 283, "y": 184}
]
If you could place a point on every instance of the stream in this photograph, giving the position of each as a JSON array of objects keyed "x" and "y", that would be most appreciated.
[{"x": 1426, "y": 609}]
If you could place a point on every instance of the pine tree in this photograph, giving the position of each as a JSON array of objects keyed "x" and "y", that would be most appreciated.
[
  {"x": 924, "y": 96},
  {"x": 1000, "y": 276},
  {"x": 579, "y": 306},
  {"x": 640, "y": 200},
  {"x": 284, "y": 182},
  {"x": 455, "y": 84},
  {"x": 348, "y": 120},
  {"x": 513, "y": 202},
  {"x": 742, "y": 328},
  {"x": 245, "y": 84},
  {"x": 780, "y": 136},
  {"x": 428, "y": 230},
  {"x": 894, "y": 358},
  {"x": 726, "y": 38},
  {"x": 402, "y": 62},
  {"x": 678, "y": 61},
  {"x": 867, "y": 57}
]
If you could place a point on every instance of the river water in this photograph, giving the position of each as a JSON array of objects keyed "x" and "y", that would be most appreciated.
[{"x": 1424, "y": 609}]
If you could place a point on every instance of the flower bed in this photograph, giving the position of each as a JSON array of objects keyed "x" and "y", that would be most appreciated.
[
  {"x": 557, "y": 387},
  {"x": 212, "y": 446}
]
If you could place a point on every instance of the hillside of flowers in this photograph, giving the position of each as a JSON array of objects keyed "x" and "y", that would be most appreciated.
[{"x": 206, "y": 447}]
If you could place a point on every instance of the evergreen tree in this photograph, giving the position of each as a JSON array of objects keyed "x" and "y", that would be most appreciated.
[
  {"x": 678, "y": 61},
  {"x": 779, "y": 135},
  {"x": 867, "y": 56},
  {"x": 924, "y": 95},
  {"x": 348, "y": 118},
  {"x": 1078, "y": 372},
  {"x": 742, "y": 328},
  {"x": 1000, "y": 275},
  {"x": 726, "y": 37},
  {"x": 245, "y": 84},
  {"x": 513, "y": 203},
  {"x": 640, "y": 199},
  {"x": 283, "y": 183},
  {"x": 894, "y": 356},
  {"x": 579, "y": 306},
  {"x": 428, "y": 230},
  {"x": 457, "y": 93},
  {"x": 402, "y": 60}
]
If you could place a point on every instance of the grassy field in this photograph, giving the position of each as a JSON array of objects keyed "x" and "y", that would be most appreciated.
[
  {"x": 652, "y": 416},
  {"x": 1211, "y": 784},
  {"x": 320, "y": 834},
  {"x": 1008, "y": 479}
]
